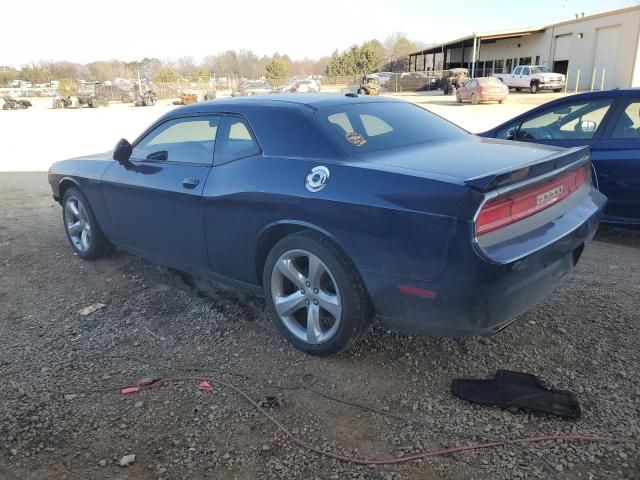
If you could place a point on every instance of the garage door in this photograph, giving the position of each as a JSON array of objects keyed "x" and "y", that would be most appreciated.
[
  {"x": 563, "y": 48},
  {"x": 607, "y": 40}
]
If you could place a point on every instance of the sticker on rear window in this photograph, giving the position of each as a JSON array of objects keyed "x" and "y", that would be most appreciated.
[{"x": 355, "y": 138}]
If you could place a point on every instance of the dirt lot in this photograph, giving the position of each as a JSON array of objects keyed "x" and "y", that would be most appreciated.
[{"x": 62, "y": 415}]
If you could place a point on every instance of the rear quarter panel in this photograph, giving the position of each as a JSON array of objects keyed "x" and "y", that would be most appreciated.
[{"x": 387, "y": 222}]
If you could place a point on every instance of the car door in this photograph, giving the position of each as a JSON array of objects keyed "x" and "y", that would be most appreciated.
[
  {"x": 155, "y": 203},
  {"x": 616, "y": 157},
  {"x": 525, "y": 77},
  {"x": 516, "y": 77}
]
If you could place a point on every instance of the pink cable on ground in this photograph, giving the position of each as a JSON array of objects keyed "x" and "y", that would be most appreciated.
[{"x": 390, "y": 461}]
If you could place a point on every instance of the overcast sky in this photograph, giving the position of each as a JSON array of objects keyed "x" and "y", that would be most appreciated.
[{"x": 85, "y": 31}]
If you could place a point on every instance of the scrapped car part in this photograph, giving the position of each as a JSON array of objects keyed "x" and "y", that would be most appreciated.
[
  {"x": 400, "y": 230},
  {"x": 11, "y": 103},
  {"x": 521, "y": 390}
]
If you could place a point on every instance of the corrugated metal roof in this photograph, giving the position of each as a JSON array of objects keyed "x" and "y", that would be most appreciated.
[{"x": 520, "y": 32}]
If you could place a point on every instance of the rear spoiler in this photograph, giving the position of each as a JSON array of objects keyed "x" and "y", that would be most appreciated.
[{"x": 544, "y": 166}]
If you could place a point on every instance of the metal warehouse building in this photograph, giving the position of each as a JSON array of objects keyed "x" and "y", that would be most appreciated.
[{"x": 599, "y": 49}]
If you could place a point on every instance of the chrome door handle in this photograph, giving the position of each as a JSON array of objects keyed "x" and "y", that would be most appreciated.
[{"x": 190, "y": 182}]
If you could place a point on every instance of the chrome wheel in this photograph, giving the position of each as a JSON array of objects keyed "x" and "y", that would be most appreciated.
[
  {"x": 77, "y": 223},
  {"x": 306, "y": 296}
]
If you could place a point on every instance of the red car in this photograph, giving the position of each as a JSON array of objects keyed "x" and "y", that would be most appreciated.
[{"x": 483, "y": 89}]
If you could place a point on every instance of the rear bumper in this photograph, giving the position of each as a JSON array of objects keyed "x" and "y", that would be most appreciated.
[
  {"x": 476, "y": 296},
  {"x": 493, "y": 97},
  {"x": 551, "y": 86}
]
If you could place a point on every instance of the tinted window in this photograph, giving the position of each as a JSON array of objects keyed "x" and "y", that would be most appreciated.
[
  {"x": 368, "y": 127},
  {"x": 577, "y": 121},
  {"x": 236, "y": 141},
  {"x": 183, "y": 140},
  {"x": 536, "y": 70},
  {"x": 628, "y": 125},
  {"x": 489, "y": 81}
]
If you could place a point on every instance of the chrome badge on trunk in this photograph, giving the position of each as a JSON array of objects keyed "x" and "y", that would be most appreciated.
[{"x": 550, "y": 195}]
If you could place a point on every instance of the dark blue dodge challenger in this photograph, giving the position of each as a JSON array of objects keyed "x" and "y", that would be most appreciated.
[{"x": 338, "y": 208}]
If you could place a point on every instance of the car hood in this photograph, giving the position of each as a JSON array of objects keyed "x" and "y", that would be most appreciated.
[
  {"x": 96, "y": 156},
  {"x": 462, "y": 159},
  {"x": 96, "y": 164}
]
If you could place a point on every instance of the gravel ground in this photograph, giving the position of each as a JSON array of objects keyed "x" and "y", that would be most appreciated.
[{"x": 62, "y": 417}]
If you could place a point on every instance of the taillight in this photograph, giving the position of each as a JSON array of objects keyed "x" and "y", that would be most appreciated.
[{"x": 504, "y": 211}]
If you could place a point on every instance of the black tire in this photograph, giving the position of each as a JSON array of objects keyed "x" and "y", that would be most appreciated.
[
  {"x": 557, "y": 90},
  {"x": 535, "y": 88},
  {"x": 356, "y": 309},
  {"x": 99, "y": 245},
  {"x": 362, "y": 91},
  {"x": 474, "y": 99}
]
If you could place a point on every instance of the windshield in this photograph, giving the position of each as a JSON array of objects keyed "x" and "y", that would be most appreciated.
[
  {"x": 535, "y": 70},
  {"x": 368, "y": 127}
]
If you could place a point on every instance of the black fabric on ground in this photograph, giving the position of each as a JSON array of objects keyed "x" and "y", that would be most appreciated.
[{"x": 515, "y": 389}]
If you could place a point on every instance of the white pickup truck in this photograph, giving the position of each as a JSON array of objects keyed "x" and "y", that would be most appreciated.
[{"x": 533, "y": 77}]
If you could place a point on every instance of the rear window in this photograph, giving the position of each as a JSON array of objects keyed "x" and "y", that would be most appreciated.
[
  {"x": 489, "y": 81},
  {"x": 368, "y": 127}
]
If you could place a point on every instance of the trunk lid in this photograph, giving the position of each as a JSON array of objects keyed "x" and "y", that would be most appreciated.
[{"x": 480, "y": 163}]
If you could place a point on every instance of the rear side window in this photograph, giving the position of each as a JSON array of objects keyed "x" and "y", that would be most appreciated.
[
  {"x": 367, "y": 127},
  {"x": 628, "y": 125},
  {"x": 235, "y": 141}
]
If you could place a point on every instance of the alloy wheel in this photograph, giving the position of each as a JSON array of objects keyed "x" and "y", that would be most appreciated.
[
  {"x": 306, "y": 296},
  {"x": 77, "y": 224}
]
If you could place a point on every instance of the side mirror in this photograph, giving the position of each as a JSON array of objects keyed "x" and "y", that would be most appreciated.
[
  {"x": 122, "y": 152},
  {"x": 588, "y": 126},
  {"x": 511, "y": 134}
]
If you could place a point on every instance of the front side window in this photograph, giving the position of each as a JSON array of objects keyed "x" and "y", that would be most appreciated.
[
  {"x": 182, "y": 140},
  {"x": 628, "y": 125},
  {"x": 576, "y": 121}
]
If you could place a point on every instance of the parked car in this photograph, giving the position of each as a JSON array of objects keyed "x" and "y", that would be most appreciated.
[
  {"x": 533, "y": 77},
  {"x": 301, "y": 86},
  {"x": 482, "y": 89},
  {"x": 339, "y": 207},
  {"x": 413, "y": 82},
  {"x": 384, "y": 78},
  {"x": 606, "y": 121},
  {"x": 247, "y": 88}
]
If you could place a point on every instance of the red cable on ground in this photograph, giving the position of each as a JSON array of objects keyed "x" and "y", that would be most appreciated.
[{"x": 389, "y": 461}]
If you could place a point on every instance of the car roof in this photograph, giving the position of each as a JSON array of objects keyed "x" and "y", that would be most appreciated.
[{"x": 313, "y": 101}]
